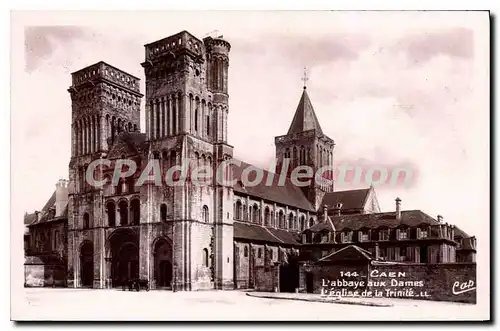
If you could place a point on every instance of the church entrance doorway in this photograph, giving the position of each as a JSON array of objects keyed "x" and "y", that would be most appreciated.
[
  {"x": 163, "y": 263},
  {"x": 124, "y": 246},
  {"x": 87, "y": 264}
]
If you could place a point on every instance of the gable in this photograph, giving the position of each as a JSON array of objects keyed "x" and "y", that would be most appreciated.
[
  {"x": 350, "y": 253},
  {"x": 128, "y": 143}
]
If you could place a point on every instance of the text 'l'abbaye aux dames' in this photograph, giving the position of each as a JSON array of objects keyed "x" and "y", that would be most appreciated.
[{"x": 270, "y": 236}]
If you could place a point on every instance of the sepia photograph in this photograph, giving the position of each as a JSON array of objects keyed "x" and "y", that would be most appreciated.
[{"x": 250, "y": 166}]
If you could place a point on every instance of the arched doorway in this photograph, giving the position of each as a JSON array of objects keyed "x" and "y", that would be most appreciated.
[
  {"x": 124, "y": 246},
  {"x": 163, "y": 263},
  {"x": 87, "y": 264}
]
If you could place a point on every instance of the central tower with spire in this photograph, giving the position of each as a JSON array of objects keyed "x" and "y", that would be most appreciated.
[{"x": 305, "y": 144}]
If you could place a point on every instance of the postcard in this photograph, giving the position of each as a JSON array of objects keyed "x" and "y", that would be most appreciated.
[{"x": 250, "y": 166}]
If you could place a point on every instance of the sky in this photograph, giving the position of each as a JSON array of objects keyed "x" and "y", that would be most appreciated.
[{"x": 390, "y": 88}]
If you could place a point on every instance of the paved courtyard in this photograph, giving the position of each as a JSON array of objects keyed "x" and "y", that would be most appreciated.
[{"x": 85, "y": 304}]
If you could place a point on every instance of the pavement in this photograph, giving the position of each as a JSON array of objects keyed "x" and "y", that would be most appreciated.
[
  {"x": 373, "y": 302},
  {"x": 67, "y": 304}
]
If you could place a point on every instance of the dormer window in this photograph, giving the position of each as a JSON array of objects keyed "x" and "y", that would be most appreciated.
[
  {"x": 324, "y": 238},
  {"x": 363, "y": 235},
  {"x": 423, "y": 234},
  {"x": 346, "y": 237},
  {"x": 317, "y": 238},
  {"x": 403, "y": 234},
  {"x": 383, "y": 235}
]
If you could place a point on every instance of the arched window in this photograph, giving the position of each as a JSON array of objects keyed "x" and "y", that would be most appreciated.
[
  {"x": 55, "y": 240},
  {"x": 130, "y": 184},
  {"x": 205, "y": 214},
  {"x": 135, "y": 211},
  {"x": 111, "y": 210},
  {"x": 245, "y": 251},
  {"x": 196, "y": 119},
  {"x": 205, "y": 257},
  {"x": 281, "y": 220},
  {"x": 119, "y": 186},
  {"x": 123, "y": 212},
  {"x": 302, "y": 223},
  {"x": 113, "y": 129},
  {"x": 173, "y": 158},
  {"x": 266, "y": 217},
  {"x": 255, "y": 214},
  {"x": 163, "y": 212},
  {"x": 290, "y": 221},
  {"x": 311, "y": 222},
  {"x": 238, "y": 210},
  {"x": 86, "y": 221},
  {"x": 208, "y": 125}
]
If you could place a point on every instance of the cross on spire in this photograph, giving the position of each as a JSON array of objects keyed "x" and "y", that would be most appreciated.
[{"x": 305, "y": 78}]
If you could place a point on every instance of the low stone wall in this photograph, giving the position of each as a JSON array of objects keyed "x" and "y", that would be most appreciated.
[
  {"x": 326, "y": 272},
  {"x": 267, "y": 279},
  {"x": 441, "y": 282}
]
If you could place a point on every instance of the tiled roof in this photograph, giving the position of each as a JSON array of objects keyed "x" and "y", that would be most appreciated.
[
  {"x": 249, "y": 231},
  {"x": 285, "y": 236},
  {"x": 48, "y": 211},
  {"x": 305, "y": 118},
  {"x": 287, "y": 194},
  {"x": 359, "y": 221},
  {"x": 50, "y": 203},
  {"x": 322, "y": 226},
  {"x": 349, "y": 253},
  {"x": 29, "y": 218},
  {"x": 353, "y": 199},
  {"x": 460, "y": 233}
]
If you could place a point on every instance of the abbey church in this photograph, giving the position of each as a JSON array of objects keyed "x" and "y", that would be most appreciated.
[{"x": 216, "y": 236}]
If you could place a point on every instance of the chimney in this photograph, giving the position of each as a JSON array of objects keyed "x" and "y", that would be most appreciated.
[
  {"x": 440, "y": 218},
  {"x": 337, "y": 209},
  {"x": 398, "y": 209},
  {"x": 61, "y": 196},
  {"x": 37, "y": 216},
  {"x": 325, "y": 213},
  {"x": 377, "y": 252}
]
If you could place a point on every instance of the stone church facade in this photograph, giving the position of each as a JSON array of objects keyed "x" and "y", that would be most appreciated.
[{"x": 192, "y": 237}]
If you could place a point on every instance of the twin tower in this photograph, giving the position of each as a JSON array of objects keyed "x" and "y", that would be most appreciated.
[{"x": 186, "y": 92}]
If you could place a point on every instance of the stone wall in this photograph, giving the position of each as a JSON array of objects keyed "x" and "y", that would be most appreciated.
[
  {"x": 441, "y": 282},
  {"x": 267, "y": 279},
  {"x": 332, "y": 272}
]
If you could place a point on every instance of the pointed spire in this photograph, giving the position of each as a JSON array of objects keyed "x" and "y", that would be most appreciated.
[{"x": 305, "y": 118}]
